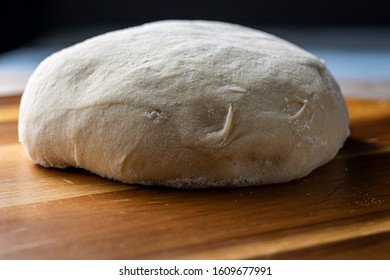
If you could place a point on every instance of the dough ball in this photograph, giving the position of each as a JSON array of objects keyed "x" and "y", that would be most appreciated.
[{"x": 184, "y": 104}]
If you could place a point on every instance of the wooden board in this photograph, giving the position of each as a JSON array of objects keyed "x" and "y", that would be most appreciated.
[{"x": 340, "y": 211}]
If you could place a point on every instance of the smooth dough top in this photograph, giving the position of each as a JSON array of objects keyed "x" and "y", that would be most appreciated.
[{"x": 184, "y": 104}]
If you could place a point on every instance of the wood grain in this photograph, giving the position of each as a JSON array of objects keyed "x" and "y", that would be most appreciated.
[{"x": 339, "y": 211}]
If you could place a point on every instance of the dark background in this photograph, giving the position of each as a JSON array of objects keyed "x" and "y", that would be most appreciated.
[{"x": 23, "y": 20}]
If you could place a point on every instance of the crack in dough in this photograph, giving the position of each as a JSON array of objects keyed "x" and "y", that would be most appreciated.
[
  {"x": 304, "y": 103},
  {"x": 228, "y": 127}
]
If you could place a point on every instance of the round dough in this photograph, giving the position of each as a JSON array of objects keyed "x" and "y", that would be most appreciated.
[{"x": 184, "y": 104}]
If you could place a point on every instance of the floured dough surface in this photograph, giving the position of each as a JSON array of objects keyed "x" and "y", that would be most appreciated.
[{"x": 184, "y": 104}]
